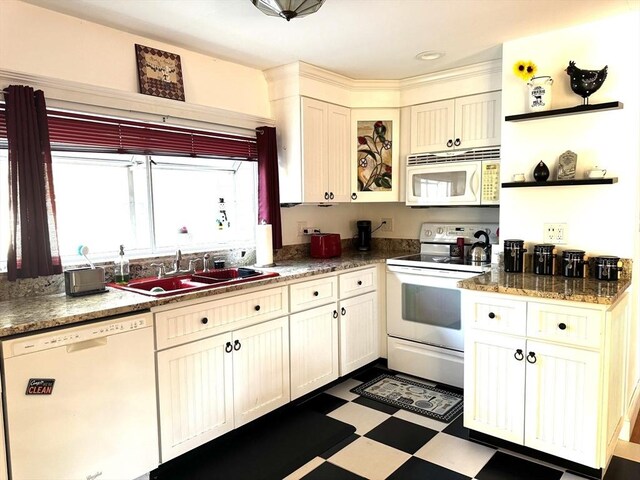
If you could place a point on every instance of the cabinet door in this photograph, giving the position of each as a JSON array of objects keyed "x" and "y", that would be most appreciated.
[
  {"x": 194, "y": 394},
  {"x": 375, "y": 154},
  {"x": 338, "y": 173},
  {"x": 494, "y": 369},
  {"x": 477, "y": 121},
  {"x": 358, "y": 332},
  {"x": 260, "y": 369},
  {"x": 314, "y": 349},
  {"x": 314, "y": 144},
  {"x": 562, "y": 400},
  {"x": 432, "y": 126}
]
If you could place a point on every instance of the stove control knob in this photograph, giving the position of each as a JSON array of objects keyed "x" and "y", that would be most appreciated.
[
  {"x": 428, "y": 233},
  {"x": 440, "y": 230}
]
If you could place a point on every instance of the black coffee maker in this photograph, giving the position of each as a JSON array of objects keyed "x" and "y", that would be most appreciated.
[{"x": 363, "y": 242}]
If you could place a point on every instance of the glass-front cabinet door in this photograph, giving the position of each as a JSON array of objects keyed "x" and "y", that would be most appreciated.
[{"x": 375, "y": 146}]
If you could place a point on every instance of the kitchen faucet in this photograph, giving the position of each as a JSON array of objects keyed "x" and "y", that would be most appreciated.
[{"x": 176, "y": 266}]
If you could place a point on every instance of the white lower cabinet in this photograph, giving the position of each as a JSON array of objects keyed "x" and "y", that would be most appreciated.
[
  {"x": 314, "y": 349},
  {"x": 358, "y": 332},
  {"x": 556, "y": 389},
  {"x": 208, "y": 387}
]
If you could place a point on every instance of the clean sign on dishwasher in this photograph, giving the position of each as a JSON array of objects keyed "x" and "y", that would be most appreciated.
[{"x": 80, "y": 401}]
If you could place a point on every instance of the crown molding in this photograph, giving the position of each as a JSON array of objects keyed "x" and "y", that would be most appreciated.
[
  {"x": 491, "y": 67},
  {"x": 75, "y": 95}
]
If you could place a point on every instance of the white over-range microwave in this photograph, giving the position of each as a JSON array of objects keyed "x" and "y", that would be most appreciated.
[{"x": 461, "y": 178}]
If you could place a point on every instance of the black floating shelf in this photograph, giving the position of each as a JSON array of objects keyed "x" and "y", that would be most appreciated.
[
  {"x": 564, "y": 111},
  {"x": 559, "y": 183}
]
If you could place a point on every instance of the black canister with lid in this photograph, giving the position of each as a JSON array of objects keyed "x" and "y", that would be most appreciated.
[
  {"x": 573, "y": 263},
  {"x": 544, "y": 259},
  {"x": 607, "y": 267},
  {"x": 514, "y": 256}
]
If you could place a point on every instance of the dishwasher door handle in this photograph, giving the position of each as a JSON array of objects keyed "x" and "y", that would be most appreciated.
[{"x": 96, "y": 342}]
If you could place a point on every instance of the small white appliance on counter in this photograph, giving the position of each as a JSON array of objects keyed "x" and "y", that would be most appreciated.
[
  {"x": 80, "y": 401},
  {"x": 454, "y": 178},
  {"x": 425, "y": 332}
]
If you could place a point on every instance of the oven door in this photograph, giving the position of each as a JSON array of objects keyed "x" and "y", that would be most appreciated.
[
  {"x": 444, "y": 184},
  {"x": 423, "y": 305}
]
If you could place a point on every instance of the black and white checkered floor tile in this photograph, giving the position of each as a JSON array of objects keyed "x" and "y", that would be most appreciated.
[{"x": 395, "y": 444}]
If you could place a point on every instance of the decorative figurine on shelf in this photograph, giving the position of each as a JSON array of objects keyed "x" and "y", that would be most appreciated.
[
  {"x": 567, "y": 165},
  {"x": 585, "y": 82},
  {"x": 541, "y": 172}
]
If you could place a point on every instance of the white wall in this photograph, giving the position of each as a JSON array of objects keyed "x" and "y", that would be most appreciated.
[
  {"x": 601, "y": 219},
  {"x": 42, "y": 42}
]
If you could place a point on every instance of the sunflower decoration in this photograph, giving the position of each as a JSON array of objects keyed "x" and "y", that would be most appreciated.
[{"x": 525, "y": 69}]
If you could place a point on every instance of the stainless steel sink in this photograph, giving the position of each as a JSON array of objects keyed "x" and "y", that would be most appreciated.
[{"x": 192, "y": 282}]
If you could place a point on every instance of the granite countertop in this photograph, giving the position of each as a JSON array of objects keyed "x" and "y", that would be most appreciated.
[
  {"x": 30, "y": 314},
  {"x": 586, "y": 290}
]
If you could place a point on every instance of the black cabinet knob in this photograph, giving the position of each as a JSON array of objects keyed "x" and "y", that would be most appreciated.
[
  {"x": 204, "y": 320},
  {"x": 531, "y": 358},
  {"x": 518, "y": 355},
  {"x": 326, "y": 195},
  {"x": 257, "y": 308},
  {"x": 562, "y": 326},
  {"x": 353, "y": 196},
  {"x": 343, "y": 311},
  {"x": 359, "y": 282},
  {"x": 228, "y": 347},
  {"x": 316, "y": 293},
  {"x": 450, "y": 143},
  {"x": 457, "y": 142},
  {"x": 236, "y": 345},
  {"x": 335, "y": 314},
  {"x": 331, "y": 196},
  {"x": 492, "y": 315}
]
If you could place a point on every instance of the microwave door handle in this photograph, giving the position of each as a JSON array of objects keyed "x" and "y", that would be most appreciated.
[{"x": 474, "y": 183}]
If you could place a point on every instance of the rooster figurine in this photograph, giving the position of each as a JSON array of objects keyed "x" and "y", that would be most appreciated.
[{"x": 585, "y": 82}]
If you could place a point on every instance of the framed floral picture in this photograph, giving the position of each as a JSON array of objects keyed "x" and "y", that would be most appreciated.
[
  {"x": 374, "y": 172},
  {"x": 159, "y": 73}
]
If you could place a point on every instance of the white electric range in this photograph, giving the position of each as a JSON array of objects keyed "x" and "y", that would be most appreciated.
[{"x": 424, "y": 325}]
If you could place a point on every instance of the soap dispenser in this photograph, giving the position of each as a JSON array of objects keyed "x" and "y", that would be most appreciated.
[{"x": 121, "y": 274}]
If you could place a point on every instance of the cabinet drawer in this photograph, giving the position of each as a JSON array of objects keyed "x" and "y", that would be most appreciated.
[
  {"x": 185, "y": 324},
  {"x": 558, "y": 323},
  {"x": 313, "y": 293},
  {"x": 355, "y": 283},
  {"x": 498, "y": 315}
]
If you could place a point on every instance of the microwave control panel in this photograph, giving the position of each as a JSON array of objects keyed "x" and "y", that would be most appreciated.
[{"x": 490, "y": 183}]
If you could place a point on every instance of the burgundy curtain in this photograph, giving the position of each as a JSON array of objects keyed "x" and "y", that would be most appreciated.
[
  {"x": 33, "y": 245},
  {"x": 268, "y": 187}
]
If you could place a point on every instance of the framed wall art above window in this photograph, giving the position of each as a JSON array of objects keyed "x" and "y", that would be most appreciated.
[{"x": 159, "y": 73}]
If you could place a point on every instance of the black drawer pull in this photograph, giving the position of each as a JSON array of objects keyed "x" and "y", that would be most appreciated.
[
  {"x": 562, "y": 326},
  {"x": 335, "y": 314},
  {"x": 343, "y": 311},
  {"x": 518, "y": 355},
  {"x": 492, "y": 315},
  {"x": 236, "y": 345},
  {"x": 359, "y": 282},
  {"x": 257, "y": 308},
  {"x": 530, "y": 356},
  {"x": 316, "y": 293},
  {"x": 228, "y": 347},
  {"x": 204, "y": 320}
]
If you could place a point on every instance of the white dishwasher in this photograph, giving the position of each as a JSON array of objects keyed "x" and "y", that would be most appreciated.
[{"x": 81, "y": 402}]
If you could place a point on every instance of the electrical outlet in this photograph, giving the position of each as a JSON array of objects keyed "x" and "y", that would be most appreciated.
[
  {"x": 301, "y": 227},
  {"x": 387, "y": 224},
  {"x": 555, "y": 233},
  {"x": 311, "y": 230}
]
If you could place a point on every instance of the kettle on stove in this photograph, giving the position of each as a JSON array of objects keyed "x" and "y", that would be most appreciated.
[{"x": 480, "y": 252}]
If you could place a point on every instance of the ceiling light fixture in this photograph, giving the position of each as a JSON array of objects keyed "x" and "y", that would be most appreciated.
[
  {"x": 429, "y": 55},
  {"x": 288, "y": 9}
]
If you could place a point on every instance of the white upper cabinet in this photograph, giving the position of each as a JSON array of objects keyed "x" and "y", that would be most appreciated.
[
  {"x": 457, "y": 124},
  {"x": 313, "y": 150}
]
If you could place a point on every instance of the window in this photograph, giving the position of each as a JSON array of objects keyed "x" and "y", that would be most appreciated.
[{"x": 142, "y": 201}]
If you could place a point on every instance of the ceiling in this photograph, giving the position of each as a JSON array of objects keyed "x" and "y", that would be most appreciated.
[{"x": 361, "y": 39}]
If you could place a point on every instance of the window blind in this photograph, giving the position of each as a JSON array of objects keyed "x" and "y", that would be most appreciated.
[{"x": 82, "y": 132}]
